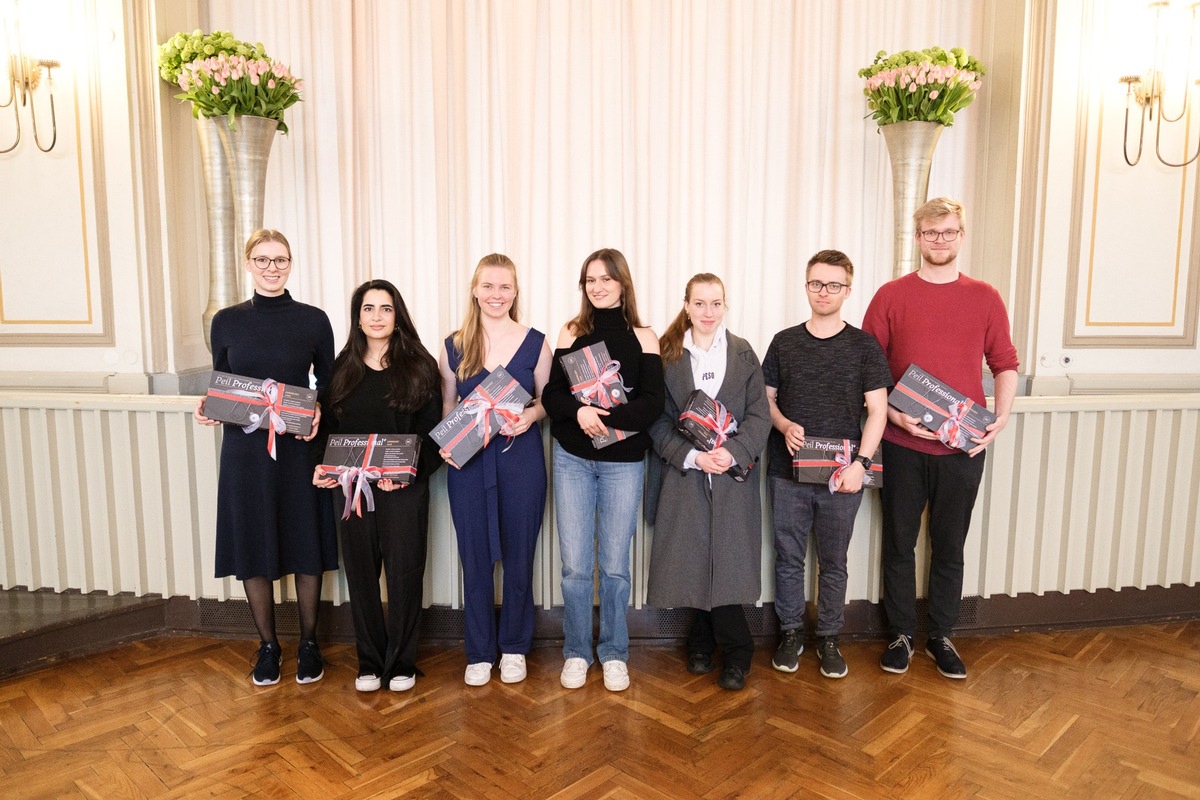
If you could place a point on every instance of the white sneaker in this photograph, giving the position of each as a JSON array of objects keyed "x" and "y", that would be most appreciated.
[
  {"x": 512, "y": 667},
  {"x": 478, "y": 673},
  {"x": 574, "y": 673},
  {"x": 367, "y": 683},
  {"x": 402, "y": 683},
  {"x": 616, "y": 676}
]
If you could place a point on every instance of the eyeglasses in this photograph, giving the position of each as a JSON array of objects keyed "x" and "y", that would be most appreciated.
[
  {"x": 945, "y": 236},
  {"x": 281, "y": 263},
  {"x": 833, "y": 288}
]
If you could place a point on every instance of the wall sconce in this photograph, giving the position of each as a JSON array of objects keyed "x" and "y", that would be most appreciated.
[
  {"x": 1149, "y": 91},
  {"x": 24, "y": 78}
]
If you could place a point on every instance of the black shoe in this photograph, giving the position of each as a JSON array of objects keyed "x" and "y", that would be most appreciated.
[
  {"x": 732, "y": 677},
  {"x": 310, "y": 667},
  {"x": 266, "y": 664},
  {"x": 787, "y": 655},
  {"x": 896, "y": 657},
  {"x": 949, "y": 664},
  {"x": 699, "y": 663},
  {"x": 832, "y": 663}
]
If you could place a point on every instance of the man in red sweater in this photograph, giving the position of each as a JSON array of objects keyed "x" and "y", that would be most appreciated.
[{"x": 947, "y": 324}]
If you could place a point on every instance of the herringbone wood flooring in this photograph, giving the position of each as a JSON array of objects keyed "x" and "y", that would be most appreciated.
[{"x": 1110, "y": 713}]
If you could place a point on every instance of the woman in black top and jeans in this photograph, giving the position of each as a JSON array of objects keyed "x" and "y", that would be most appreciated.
[
  {"x": 597, "y": 491},
  {"x": 385, "y": 381}
]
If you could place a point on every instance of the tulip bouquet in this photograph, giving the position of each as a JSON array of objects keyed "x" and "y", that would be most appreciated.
[
  {"x": 921, "y": 86},
  {"x": 221, "y": 75}
]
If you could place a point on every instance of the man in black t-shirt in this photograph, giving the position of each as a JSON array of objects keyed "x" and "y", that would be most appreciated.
[{"x": 819, "y": 374}]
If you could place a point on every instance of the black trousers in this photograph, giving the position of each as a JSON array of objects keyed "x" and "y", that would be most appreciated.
[
  {"x": 724, "y": 627},
  {"x": 948, "y": 485},
  {"x": 392, "y": 538}
]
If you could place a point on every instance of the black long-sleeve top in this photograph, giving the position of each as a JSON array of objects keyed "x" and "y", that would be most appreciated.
[
  {"x": 366, "y": 410},
  {"x": 641, "y": 372}
]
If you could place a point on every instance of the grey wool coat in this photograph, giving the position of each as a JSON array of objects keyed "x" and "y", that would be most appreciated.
[{"x": 707, "y": 548}]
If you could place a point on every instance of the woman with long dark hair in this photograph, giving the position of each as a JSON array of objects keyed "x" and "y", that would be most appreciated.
[
  {"x": 385, "y": 382},
  {"x": 270, "y": 520},
  {"x": 708, "y": 530},
  {"x": 597, "y": 491}
]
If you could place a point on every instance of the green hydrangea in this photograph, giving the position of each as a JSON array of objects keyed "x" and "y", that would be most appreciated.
[
  {"x": 184, "y": 48},
  {"x": 921, "y": 85}
]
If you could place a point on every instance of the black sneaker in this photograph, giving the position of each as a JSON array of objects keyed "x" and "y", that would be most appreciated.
[
  {"x": 266, "y": 664},
  {"x": 310, "y": 667},
  {"x": 895, "y": 658},
  {"x": 949, "y": 664},
  {"x": 699, "y": 663},
  {"x": 832, "y": 663},
  {"x": 787, "y": 655},
  {"x": 732, "y": 677}
]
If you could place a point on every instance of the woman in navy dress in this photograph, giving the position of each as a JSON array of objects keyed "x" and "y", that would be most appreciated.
[
  {"x": 385, "y": 382},
  {"x": 498, "y": 497},
  {"x": 271, "y": 520}
]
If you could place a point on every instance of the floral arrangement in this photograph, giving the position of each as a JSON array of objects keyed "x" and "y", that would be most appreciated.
[
  {"x": 922, "y": 86},
  {"x": 221, "y": 76}
]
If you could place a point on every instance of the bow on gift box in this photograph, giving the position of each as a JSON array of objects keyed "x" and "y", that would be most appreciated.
[
  {"x": 360, "y": 478},
  {"x": 720, "y": 422},
  {"x": 480, "y": 406},
  {"x": 953, "y": 432},
  {"x": 597, "y": 387},
  {"x": 842, "y": 458},
  {"x": 272, "y": 395}
]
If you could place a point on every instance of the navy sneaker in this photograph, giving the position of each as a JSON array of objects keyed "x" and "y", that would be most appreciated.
[
  {"x": 830, "y": 656},
  {"x": 787, "y": 655},
  {"x": 310, "y": 667},
  {"x": 949, "y": 664},
  {"x": 266, "y": 664},
  {"x": 896, "y": 657}
]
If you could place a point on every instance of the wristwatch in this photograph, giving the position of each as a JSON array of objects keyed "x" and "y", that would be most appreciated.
[{"x": 865, "y": 461}]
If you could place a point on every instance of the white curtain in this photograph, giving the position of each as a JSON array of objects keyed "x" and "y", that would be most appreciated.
[{"x": 725, "y": 136}]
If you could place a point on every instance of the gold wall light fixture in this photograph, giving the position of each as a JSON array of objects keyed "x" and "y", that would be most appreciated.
[
  {"x": 1149, "y": 91},
  {"x": 24, "y": 79}
]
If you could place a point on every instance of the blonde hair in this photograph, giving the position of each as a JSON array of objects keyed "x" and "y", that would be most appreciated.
[
  {"x": 468, "y": 339},
  {"x": 937, "y": 208},
  {"x": 266, "y": 235},
  {"x": 671, "y": 342}
]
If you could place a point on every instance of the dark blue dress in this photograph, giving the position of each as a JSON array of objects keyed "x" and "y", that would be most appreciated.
[
  {"x": 271, "y": 520},
  {"x": 497, "y": 500}
]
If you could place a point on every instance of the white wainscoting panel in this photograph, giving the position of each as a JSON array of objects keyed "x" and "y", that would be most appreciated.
[{"x": 116, "y": 493}]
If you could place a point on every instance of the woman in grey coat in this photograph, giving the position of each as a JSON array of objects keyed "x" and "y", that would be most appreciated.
[{"x": 707, "y": 546}]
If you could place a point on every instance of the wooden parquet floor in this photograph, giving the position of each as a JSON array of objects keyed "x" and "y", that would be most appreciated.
[{"x": 1109, "y": 713}]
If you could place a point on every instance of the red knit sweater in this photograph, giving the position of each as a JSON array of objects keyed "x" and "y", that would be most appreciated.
[{"x": 947, "y": 329}]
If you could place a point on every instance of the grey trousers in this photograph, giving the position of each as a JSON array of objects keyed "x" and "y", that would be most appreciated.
[{"x": 798, "y": 510}]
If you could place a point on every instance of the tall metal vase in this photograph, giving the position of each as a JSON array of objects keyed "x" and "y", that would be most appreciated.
[
  {"x": 223, "y": 262},
  {"x": 910, "y": 147},
  {"x": 247, "y": 148}
]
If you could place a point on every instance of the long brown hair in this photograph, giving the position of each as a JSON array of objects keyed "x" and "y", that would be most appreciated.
[
  {"x": 468, "y": 339},
  {"x": 618, "y": 269},
  {"x": 671, "y": 342},
  {"x": 412, "y": 372}
]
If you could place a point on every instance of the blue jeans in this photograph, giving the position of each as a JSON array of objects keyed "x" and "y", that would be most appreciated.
[
  {"x": 595, "y": 503},
  {"x": 798, "y": 510}
]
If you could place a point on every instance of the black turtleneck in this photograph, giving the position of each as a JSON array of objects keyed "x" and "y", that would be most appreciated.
[{"x": 641, "y": 372}]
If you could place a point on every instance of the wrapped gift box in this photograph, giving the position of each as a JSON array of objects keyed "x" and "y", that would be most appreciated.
[
  {"x": 477, "y": 420},
  {"x": 819, "y": 458},
  {"x": 940, "y": 408},
  {"x": 706, "y": 423},
  {"x": 256, "y": 403},
  {"x": 355, "y": 460},
  {"x": 374, "y": 455},
  {"x": 596, "y": 380}
]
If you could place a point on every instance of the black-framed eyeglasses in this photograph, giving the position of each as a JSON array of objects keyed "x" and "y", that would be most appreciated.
[
  {"x": 945, "y": 236},
  {"x": 833, "y": 287},
  {"x": 262, "y": 262}
]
